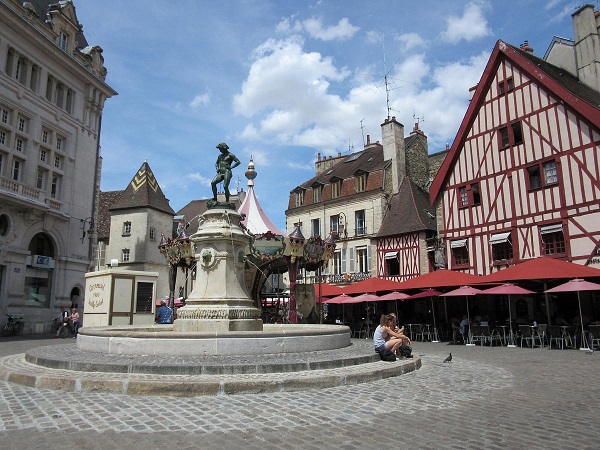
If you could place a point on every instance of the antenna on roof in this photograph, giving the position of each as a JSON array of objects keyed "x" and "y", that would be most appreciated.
[
  {"x": 418, "y": 119},
  {"x": 385, "y": 79},
  {"x": 350, "y": 146},
  {"x": 362, "y": 130}
]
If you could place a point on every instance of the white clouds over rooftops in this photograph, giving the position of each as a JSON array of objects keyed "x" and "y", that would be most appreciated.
[
  {"x": 470, "y": 26},
  {"x": 314, "y": 28}
]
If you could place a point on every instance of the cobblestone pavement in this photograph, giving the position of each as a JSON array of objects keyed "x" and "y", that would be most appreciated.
[{"x": 493, "y": 398}]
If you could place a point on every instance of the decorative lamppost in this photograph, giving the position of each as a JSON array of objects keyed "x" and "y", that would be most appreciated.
[
  {"x": 178, "y": 253},
  {"x": 292, "y": 252}
]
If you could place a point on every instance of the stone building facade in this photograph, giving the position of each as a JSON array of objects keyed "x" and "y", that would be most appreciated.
[
  {"x": 52, "y": 94},
  {"x": 351, "y": 197}
]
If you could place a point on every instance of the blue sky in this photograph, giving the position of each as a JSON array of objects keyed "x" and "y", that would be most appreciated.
[{"x": 283, "y": 80}]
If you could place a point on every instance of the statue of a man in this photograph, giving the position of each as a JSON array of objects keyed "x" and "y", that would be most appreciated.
[{"x": 225, "y": 162}]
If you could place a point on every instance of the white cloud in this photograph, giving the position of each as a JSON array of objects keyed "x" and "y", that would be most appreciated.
[
  {"x": 374, "y": 37},
  {"x": 201, "y": 100},
  {"x": 342, "y": 31},
  {"x": 314, "y": 27},
  {"x": 409, "y": 41},
  {"x": 470, "y": 26},
  {"x": 204, "y": 181},
  {"x": 287, "y": 98}
]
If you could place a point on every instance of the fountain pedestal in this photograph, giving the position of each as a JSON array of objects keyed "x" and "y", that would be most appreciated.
[{"x": 219, "y": 300}]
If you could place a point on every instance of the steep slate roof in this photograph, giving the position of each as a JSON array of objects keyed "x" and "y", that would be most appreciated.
[
  {"x": 407, "y": 212},
  {"x": 143, "y": 192},
  {"x": 560, "y": 83},
  {"x": 105, "y": 201},
  {"x": 369, "y": 160}
]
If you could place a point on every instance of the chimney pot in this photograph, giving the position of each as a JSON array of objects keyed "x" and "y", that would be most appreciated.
[
  {"x": 319, "y": 156},
  {"x": 368, "y": 139},
  {"x": 339, "y": 154}
]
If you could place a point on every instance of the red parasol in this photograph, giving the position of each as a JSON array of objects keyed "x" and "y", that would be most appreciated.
[
  {"x": 467, "y": 291},
  {"x": 371, "y": 285},
  {"x": 337, "y": 300},
  {"x": 577, "y": 285},
  {"x": 542, "y": 268},
  {"x": 509, "y": 289},
  {"x": 428, "y": 293},
  {"x": 439, "y": 278},
  {"x": 393, "y": 296},
  {"x": 424, "y": 294}
]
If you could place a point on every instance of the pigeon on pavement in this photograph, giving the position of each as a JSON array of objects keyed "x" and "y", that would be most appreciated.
[{"x": 449, "y": 358}]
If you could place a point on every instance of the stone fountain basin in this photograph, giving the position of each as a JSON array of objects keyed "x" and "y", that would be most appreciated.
[{"x": 161, "y": 340}]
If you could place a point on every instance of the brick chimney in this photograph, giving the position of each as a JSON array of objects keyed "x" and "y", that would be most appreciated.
[
  {"x": 526, "y": 48},
  {"x": 393, "y": 149}
]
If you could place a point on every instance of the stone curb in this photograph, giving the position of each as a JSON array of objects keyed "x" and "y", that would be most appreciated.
[{"x": 16, "y": 369}]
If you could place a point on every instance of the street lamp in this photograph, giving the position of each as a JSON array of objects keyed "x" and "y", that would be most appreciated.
[{"x": 90, "y": 230}]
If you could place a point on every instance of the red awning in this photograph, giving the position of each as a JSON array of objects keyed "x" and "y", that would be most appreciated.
[
  {"x": 542, "y": 268},
  {"x": 440, "y": 278},
  {"x": 371, "y": 285},
  {"x": 327, "y": 290}
]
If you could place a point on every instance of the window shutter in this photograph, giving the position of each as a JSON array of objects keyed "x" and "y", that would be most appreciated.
[
  {"x": 343, "y": 260},
  {"x": 352, "y": 260},
  {"x": 368, "y": 258}
]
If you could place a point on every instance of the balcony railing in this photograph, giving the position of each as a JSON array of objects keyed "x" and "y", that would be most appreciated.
[{"x": 28, "y": 192}]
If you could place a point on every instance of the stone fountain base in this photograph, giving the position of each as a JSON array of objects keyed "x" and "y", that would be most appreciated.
[{"x": 162, "y": 340}]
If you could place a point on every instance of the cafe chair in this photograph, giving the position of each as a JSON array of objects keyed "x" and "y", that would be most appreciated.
[
  {"x": 595, "y": 336},
  {"x": 541, "y": 333},
  {"x": 555, "y": 334},
  {"x": 490, "y": 336},
  {"x": 476, "y": 334},
  {"x": 527, "y": 335}
]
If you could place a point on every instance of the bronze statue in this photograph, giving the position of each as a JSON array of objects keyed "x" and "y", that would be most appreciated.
[{"x": 225, "y": 162}]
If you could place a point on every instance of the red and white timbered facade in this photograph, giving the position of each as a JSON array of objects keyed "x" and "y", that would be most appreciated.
[{"x": 522, "y": 179}]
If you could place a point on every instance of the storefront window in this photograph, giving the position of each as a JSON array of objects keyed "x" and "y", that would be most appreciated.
[{"x": 38, "y": 274}]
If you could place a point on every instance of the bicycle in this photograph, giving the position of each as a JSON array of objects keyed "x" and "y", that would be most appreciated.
[
  {"x": 14, "y": 326},
  {"x": 65, "y": 330}
]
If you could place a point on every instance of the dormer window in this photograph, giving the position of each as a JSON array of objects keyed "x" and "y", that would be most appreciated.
[
  {"x": 361, "y": 182},
  {"x": 63, "y": 41},
  {"x": 317, "y": 193},
  {"x": 336, "y": 188},
  {"x": 300, "y": 197}
]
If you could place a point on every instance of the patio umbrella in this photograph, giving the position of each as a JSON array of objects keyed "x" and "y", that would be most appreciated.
[
  {"x": 578, "y": 285},
  {"x": 338, "y": 300},
  {"x": 429, "y": 293},
  {"x": 371, "y": 285},
  {"x": 394, "y": 296},
  {"x": 365, "y": 298},
  {"x": 508, "y": 289},
  {"x": 542, "y": 268},
  {"x": 467, "y": 291},
  {"x": 343, "y": 298},
  {"x": 440, "y": 278}
]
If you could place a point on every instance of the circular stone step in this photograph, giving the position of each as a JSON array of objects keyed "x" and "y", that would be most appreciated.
[{"x": 205, "y": 376}]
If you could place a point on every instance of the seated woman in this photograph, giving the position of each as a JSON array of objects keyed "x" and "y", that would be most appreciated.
[
  {"x": 385, "y": 338},
  {"x": 405, "y": 339}
]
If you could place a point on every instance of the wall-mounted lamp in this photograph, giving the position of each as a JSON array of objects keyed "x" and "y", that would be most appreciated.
[{"x": 90, "y": 229}]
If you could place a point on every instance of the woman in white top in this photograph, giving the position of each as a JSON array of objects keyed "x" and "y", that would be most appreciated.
[{"x": 385, "y": 338}]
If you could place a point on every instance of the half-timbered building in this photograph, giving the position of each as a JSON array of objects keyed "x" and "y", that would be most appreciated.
[{"x": 522, "y": 178}]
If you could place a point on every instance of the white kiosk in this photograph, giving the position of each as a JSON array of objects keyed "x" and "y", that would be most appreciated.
[{"x": 119, "y": 297}]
